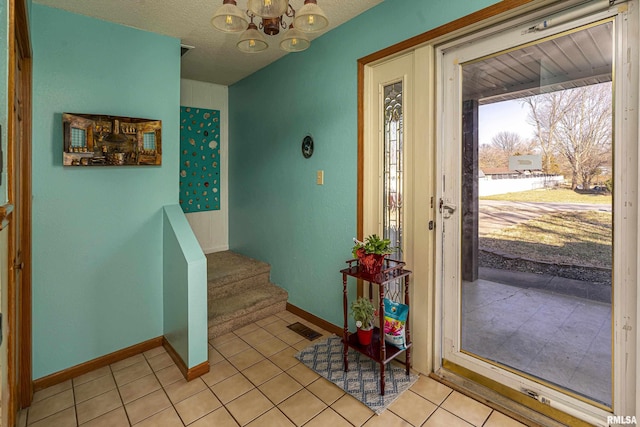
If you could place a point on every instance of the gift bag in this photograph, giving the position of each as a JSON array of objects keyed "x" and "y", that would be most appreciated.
[{"x": 395, "y": 318}]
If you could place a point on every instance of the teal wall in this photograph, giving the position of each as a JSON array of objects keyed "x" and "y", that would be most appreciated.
[
  {"x": 277, "y": 212},
  {"x": 97, "y": 232},
  {"x": 185, "y": 288}
]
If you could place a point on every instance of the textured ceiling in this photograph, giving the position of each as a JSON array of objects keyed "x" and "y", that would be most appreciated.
[{"x": 215, "y": 58}]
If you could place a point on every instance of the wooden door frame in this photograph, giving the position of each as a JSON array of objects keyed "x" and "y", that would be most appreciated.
[{"x": 20, "y": 383}]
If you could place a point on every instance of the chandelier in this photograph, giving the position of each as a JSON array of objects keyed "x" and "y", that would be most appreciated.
[{"x": 229, "y": 18}]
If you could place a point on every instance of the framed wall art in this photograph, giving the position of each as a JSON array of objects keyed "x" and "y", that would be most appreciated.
[
  {"x": 199, "y": 159},
  {"x": 101, "y": 140}
]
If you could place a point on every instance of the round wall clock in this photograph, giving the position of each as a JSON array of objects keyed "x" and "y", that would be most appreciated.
[{"x": 307, "y": 146}]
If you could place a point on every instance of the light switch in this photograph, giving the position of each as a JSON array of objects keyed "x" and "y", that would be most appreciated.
[{"x": 320, "y": 178}]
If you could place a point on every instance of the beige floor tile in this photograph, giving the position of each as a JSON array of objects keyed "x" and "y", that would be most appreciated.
[
  {"x": 267, "y": 320},
  {"x": 22, "y": 418},
  {"x": 214, "y": 356},
  {"x": 328, "y": 417},
  {"x": 280, "y": 388},
  {"x": 182, "y": 389},
  {"x": 98, "y": 405},
  {"x": 352, "y": 410},
  {"x": 115, "y": 418},
  {"x": 65, "y": 418},
  {"x": 285, "y": 359},
  {"x": 166, "y": 418},
  {"x": 222, "y": 339},
  {"x": 261, "y": 372},
  {"x": 218, "y": 418},
  {"x": 301, "y": 345},
  {"x": 249, "y": 406},
  {"x": 276, "y": 328},
  {"x": 231, "y": 347},
  {"x": 147, "y": 406},
  {"x": 271, "y": 346},
  {"x": 94, "y": 388},
  {"x": 50, "y": 406},
  {"x": 197, "y": 406},
  {"x": 442, "y": 418},
  {"x": 289, "y": 317},
  {"x": 90, "y": 376},
  {"x": 292, "y": 338},
  {"x": 246, "y": 358},
  {"x": 139, "y": 388},
  {"x": 302, "y": 374},
  {"x": 219, "y": 372},
  {"x": 231, "y": 388},
  {"x": 132, "y": 372},
  {"x": 251, "y": 327},
  {"x": 256, "y": 337},
  {"x": 302, "y": 406},
  {"x": 497, "y": 419},
  {"x": 169, "y": 375},
  {"x": 412, "y": 407},
  {"x": 127, "y": 362},
  {"x": 50, "y": 391},
  {"x": 272, "y": 418},
  {"x": 387, "y": 419},
  {"x": 160, "y": 361},
  {"x": 431, "y": 389},
  {"x": 154, "y": 352},
  {"x": 325, "y": 390},
  {"x": 466, "y": 408}
]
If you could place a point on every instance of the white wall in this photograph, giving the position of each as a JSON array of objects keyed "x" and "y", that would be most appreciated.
[{"x": 211, "y": 227}]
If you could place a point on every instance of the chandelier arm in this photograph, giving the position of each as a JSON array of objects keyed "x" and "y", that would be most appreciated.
[{"x": 291, "y": 12}]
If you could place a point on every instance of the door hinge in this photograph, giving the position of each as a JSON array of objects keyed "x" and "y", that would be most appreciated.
[{"x": 431, "y": 225}]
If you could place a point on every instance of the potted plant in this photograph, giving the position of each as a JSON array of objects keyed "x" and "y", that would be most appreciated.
[
  {"x": 363, "y": 313},
  {"x": 371, "y": 253}
]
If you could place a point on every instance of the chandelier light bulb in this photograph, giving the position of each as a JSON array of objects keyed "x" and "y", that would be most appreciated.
[
  {"x": 268, "y": 8},
  {"x": 229, "y": 18},
  {"x": 310, "y": 18}
]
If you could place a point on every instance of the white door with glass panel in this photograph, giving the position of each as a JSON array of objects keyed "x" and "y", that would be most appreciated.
[{"x": 397, "y": 185}]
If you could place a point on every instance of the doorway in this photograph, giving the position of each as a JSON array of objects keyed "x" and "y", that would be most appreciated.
[
  {"x": 531, "y": 198},
  {"x": 18, "y": 217}
]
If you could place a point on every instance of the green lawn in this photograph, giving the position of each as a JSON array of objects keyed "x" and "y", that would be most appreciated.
[
  {"x": 577, "y": 238},
  {"x": 551, "y": 195}
]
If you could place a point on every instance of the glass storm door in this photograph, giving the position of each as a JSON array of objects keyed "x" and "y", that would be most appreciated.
[{"x": 529, "y": 201}]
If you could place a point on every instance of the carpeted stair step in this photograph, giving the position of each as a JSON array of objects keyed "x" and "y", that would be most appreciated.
[
  {"x": 230, "y": 273},
  {"x": 234, "y": 311},
  {"x": 239, "y": 292}
]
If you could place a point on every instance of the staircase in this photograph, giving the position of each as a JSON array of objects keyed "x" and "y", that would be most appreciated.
[{"x": 239, "y": 292}]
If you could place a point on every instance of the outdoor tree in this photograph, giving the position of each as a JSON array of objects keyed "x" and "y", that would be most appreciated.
[
  {"x": 574, "y": 125},
  {"x": 503, "y": 145}
]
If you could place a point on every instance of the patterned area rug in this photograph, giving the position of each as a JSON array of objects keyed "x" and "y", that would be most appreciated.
[{"x": 363, "y": 379}]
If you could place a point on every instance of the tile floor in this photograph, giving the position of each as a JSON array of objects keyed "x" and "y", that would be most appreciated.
[
  {"x": 254, "y": 381},
  {"x": 563, "y": 339}
]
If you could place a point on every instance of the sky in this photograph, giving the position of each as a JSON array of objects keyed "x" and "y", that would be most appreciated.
[{"x": 506, "y": 116}]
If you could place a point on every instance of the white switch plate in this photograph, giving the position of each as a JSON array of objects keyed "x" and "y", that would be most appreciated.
[{"x": 320, "y": 178}]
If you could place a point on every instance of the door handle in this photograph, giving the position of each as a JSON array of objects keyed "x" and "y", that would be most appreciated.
[{"x": 446, "y": 209}]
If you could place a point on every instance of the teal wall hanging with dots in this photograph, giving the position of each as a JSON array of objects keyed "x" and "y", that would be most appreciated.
[{"x": 199, "y": 159}]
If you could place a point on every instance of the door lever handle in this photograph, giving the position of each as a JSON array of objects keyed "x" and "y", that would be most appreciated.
[{"x": 447, "y": 209}]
